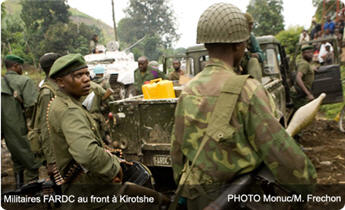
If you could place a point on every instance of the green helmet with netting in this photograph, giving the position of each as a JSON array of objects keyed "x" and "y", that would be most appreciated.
[{"x": 222, "y": 23}]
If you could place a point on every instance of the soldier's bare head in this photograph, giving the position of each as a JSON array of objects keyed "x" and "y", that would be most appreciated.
[
  {"x": 142, "y": 63},
  {"x": 231, "y": 53},
  {"x": 176, "y": 64},
  {"x": 47, "y": 60}
]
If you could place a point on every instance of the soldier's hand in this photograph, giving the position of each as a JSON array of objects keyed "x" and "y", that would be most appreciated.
[
  {"x": 50, "y": 168},
  {"x": 125, "y": 162},
  {"x": 310, "y": 97},
  {"x": 255, "y": 55},
  {"x": 118, "y": 178}
]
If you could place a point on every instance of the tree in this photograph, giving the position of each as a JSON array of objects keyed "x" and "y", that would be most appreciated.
[
  {"x": 12, "y": 37},
  {"x": 152, "y": 19},
  {"x": 69, "y": 38},
  {"x": 289, "y": 38},
  {"x": 38, "y": 17},
  {"x": 268, "y": 16},
  {"x": 330, "y": 8},
  {"x": 48, "y": 29}
]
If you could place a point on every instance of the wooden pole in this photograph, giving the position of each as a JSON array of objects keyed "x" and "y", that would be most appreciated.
[
  {"x": 115, "y": 30},
  {"x": 323, "y": 14},
  {"x": 337, "y": 13}
]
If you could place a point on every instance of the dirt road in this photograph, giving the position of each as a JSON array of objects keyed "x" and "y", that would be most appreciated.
[
  {"x": 322, "y": 141},
  {"x": 325, "y": 146}
]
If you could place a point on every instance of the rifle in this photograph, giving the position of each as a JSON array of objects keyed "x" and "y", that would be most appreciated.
[
  {"x": 241, "y": 185},
  {"x": 33, "y": 188}
]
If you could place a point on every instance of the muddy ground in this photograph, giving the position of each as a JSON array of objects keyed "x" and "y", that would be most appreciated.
[
  {"x": 324, "y": 144},
  {"x": 322, "y": 141}
]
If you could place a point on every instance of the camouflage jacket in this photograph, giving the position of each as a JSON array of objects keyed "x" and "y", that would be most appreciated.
[{"x": 257, "y": 138}]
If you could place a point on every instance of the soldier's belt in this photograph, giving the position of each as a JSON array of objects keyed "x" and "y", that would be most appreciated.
[{"x": 72, "y": 173}]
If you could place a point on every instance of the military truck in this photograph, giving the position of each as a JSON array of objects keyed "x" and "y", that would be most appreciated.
[{"x": 143, "y": 127}]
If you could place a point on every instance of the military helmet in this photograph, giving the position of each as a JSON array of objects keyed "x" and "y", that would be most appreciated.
[
  {"x": 98, "y": 69},
  {"x": 222, "y": 23}
]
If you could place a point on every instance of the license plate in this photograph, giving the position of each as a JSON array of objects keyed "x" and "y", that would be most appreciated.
[{"x": 162, "y": 160}]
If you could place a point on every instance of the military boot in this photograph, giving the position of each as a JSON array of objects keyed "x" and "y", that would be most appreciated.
[{"x": 19, "y": 179}]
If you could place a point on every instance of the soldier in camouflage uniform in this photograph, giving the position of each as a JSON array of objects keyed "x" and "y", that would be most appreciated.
[
  {"x": 226, "y": 120},
  {"x": 304, "y": 78},
  {"x": 85, "y": 165},
  {"x": 145, "y": 73},
  {"x": 18, "y": 97},
  {"x": 40, "y": 142}
]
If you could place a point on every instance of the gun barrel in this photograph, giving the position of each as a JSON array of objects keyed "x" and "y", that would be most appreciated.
[{"x": 239, "y": 186}]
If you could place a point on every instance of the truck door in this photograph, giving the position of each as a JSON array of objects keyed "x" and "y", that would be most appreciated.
[{"x": 328, "y": 80}]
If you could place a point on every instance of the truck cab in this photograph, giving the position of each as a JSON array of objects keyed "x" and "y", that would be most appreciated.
[{"x": 275, "y": 75}]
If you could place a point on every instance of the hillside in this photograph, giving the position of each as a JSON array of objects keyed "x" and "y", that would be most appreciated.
[{"x": 13, "y": 8}]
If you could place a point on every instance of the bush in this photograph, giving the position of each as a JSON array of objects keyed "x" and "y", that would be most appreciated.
[
  {"x": 289, "y": 38},
  {"x": 331, "y": 110}
]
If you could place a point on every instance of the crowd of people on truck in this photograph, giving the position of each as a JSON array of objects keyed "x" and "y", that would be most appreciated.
[{"x": 323, "y": 51}]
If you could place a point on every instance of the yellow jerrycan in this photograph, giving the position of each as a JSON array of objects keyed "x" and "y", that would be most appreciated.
[{"x": 158, "y": 89}]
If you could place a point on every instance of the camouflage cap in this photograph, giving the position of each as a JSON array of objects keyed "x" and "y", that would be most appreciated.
[
  {"x": 222, "y": 23},
  {"x": 249, "y": 17},
  {"x": 67, "y": 64},
  {"x": 15, "y": 59},
  {"x": 306, "y": 47}
]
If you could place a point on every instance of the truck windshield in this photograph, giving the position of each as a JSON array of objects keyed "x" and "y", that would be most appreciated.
[{"x": 271, "y": 63}]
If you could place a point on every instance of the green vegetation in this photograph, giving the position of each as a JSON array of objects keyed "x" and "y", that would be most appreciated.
[
  {"x": 289, "y": 38},
  {"x": 44, "y": 31},
  {"x": 153, "y": 20},
  {"x": 330, "y": 7},
  {"x": 268, "y": 16},
  {"x": 331, "y": 110}
]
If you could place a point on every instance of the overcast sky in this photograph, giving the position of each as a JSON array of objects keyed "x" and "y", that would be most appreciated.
[{"x": 296, "y": 12}]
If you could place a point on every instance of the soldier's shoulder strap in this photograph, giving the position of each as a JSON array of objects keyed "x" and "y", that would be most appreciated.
[
  {"x": 14, "y": 92},
  {"x": 49, "y": 87},
  {"x": 218, "y": 126}
]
